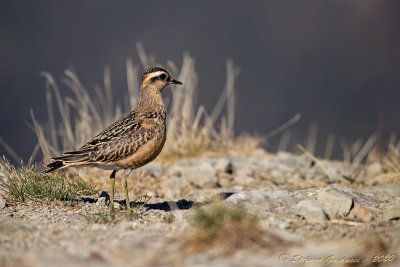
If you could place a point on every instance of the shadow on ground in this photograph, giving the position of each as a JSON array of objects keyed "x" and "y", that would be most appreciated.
[{"x": 182, "y": 204}]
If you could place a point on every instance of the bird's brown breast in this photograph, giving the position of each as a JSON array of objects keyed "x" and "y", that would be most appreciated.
[{"x": 144, "y": 154}]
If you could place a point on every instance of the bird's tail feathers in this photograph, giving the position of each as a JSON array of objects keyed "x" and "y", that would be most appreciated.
[
  {"x": 54, "y": 166},
  {"x": 68, "y": 159}
]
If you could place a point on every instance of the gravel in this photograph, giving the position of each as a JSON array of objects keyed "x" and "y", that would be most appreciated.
[{"x": 311, "y": 213}]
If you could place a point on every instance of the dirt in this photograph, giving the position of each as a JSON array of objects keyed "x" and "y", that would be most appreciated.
[{"x": 323, "y": 231}]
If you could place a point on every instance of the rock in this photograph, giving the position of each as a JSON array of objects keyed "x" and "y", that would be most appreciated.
[
  {"x": 103, "y": 199},
  {"x": 310, "y": 209},
  {"x": 335, "y": 202},
  {"x": 373, "y": 205},
  {"x": 382, "y": 192},
  {"x": 223, "y": 165},
  {"x": 197, "y": 172},
  {"x": 391, "y": 211},
  {"x": 278, "y": 177},
  {"x": 243, "y": 180},
  {"x": 360, "y": 214},
  {"x": 173, "y": 186},
  {"x": 225, "y": 180},
  {"x": 117, "y": 206},
  {"x": 270, "y": 201},
  {"x": 152, "y": 169},
  {"x": 264, "y": 196},
  {"x": 243, "y": 166}
]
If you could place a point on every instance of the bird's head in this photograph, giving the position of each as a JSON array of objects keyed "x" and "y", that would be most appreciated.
[{"x": 156, "y": 79}]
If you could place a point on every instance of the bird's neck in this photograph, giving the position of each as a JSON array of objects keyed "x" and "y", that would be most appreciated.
[{"x": 150, "y": 98}]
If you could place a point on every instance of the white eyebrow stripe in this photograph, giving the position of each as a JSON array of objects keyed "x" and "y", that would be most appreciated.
[{"x": 155, "y": 74}]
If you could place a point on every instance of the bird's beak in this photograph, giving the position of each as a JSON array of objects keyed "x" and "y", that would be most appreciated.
[{"x": 175, "y": 82}]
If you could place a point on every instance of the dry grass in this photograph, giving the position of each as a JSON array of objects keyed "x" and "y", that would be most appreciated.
[
  {"x": 21, "y": 184},
  {"x": 191, "y": 131},
  {"x": 391, "y": 162},
  {"x": 228, "y": 229}
]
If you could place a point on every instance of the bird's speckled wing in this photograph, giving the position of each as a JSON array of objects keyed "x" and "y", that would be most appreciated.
[
  {"x": 123, "y": 138},
  {"x": 122, "y": 147},
  {"x": 129, "y": 123}
]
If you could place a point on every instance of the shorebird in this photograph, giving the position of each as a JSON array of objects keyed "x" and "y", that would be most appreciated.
[{"x": 132, "y": 141}]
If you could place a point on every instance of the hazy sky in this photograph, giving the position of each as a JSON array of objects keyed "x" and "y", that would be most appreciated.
[{"x": 335, "y": 62}]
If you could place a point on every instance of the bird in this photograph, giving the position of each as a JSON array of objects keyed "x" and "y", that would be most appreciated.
[{"x": 130, "y": 142}]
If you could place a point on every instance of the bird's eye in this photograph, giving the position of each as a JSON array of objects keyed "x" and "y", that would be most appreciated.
[{"x": 163, "y": 76}]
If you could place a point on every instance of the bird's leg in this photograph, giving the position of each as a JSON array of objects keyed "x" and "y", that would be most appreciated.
[
  {"x": 125, "y": 186},
  {"x": 112, "y": 183}
]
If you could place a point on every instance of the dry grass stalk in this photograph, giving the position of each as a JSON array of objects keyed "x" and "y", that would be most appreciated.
[
  {"x": 358, "y": 151},
  {"x": 10, "y": 150},
  {"x": 284, "y": 126},
  {"x": 330, "y": 142},
  {"x": 312, "y": 138},
  {"x": 391, "y": 162}
]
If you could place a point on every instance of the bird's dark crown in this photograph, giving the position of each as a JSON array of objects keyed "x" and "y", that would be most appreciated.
[{"x": 151, "y": 70}]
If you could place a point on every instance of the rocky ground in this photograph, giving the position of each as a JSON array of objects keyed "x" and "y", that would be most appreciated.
[{"x": 322, "y": 213}]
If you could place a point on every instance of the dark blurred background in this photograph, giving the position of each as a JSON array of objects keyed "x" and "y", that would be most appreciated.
[{"x": 335, "y": 62}]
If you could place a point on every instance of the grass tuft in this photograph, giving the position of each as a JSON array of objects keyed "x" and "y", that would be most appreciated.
[
  {"x": 391, "y": 162},
  {"x": 229, "y": 228},
  {"x": 22, "y": 184}
]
